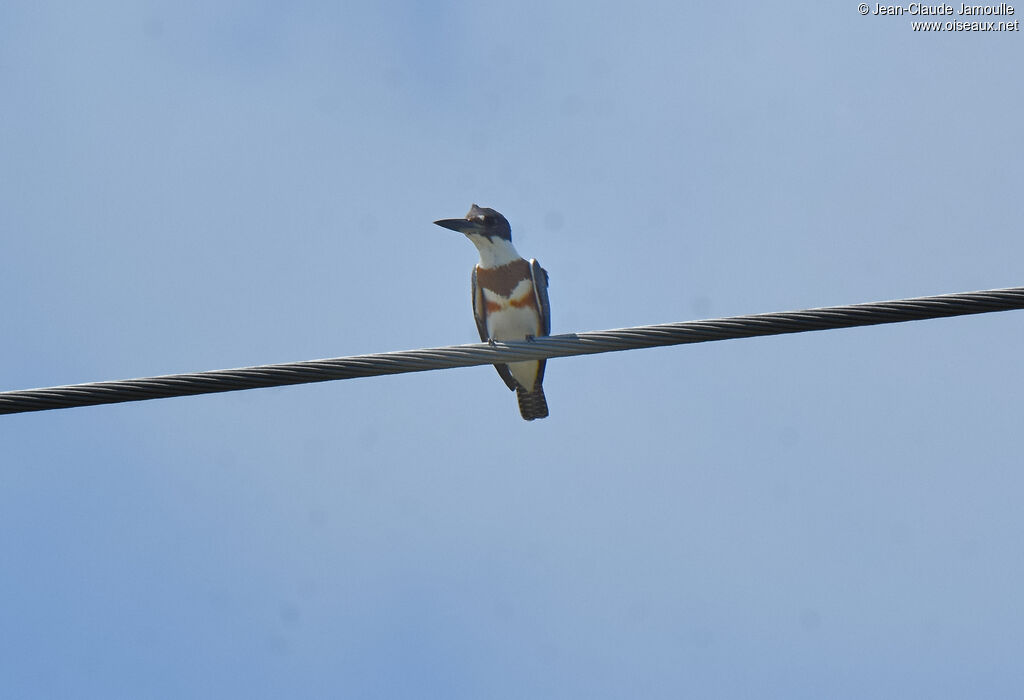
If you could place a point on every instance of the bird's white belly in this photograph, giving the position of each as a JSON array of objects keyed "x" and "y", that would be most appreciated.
[{"x": 515, "y": 323}]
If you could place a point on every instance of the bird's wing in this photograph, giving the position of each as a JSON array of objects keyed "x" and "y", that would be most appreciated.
[
  {"x": 540, "y": 289},
  {"x": 480, "y": 314},
  {"x": 479, "y": 309}
]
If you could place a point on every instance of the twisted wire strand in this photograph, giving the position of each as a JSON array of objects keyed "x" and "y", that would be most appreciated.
[{"x": 566, "y": 345}]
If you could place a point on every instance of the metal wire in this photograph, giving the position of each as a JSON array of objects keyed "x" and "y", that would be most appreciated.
[{"x": 566, "y": 345}]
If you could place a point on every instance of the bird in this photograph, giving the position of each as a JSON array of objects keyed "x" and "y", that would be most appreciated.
[{"x": 510, "y": 301}]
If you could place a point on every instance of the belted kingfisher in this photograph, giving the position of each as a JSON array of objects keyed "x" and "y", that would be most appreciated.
[{"x": 510, "y": 301}]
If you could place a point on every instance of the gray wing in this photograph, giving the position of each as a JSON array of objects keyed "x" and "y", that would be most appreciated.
[
  {"x": 480, "y": 314},
  {"x": 540, "y": 290}
]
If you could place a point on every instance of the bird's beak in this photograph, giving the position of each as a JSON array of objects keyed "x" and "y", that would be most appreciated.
[{"x": 460, "y": 225}]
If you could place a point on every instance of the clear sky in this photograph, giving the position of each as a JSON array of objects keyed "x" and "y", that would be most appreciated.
[{"x": 201, "y": 185}]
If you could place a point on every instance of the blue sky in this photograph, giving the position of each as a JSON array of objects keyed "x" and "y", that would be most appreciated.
[{"x": 191, "y": 186}]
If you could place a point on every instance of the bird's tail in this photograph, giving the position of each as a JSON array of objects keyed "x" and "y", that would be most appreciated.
[{"x": 531, "y": 403}]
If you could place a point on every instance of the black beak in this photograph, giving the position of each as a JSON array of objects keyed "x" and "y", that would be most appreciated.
[{"x": 460, "y": 225}]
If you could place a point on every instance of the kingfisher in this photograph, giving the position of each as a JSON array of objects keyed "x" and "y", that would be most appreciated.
[{"x": 510, "y": 301}]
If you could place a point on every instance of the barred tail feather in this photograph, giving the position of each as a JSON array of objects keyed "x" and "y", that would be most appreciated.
[{"x": 532, "y": 403}]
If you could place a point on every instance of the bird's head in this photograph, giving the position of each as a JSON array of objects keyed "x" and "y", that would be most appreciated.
[{"x": 480, "y": 221}]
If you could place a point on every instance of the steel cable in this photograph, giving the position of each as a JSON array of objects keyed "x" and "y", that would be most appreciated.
[{"x": 589, "y": 343}]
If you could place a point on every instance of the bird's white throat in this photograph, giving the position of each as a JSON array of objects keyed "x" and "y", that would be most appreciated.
[{"x": 494, "y": 252}]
